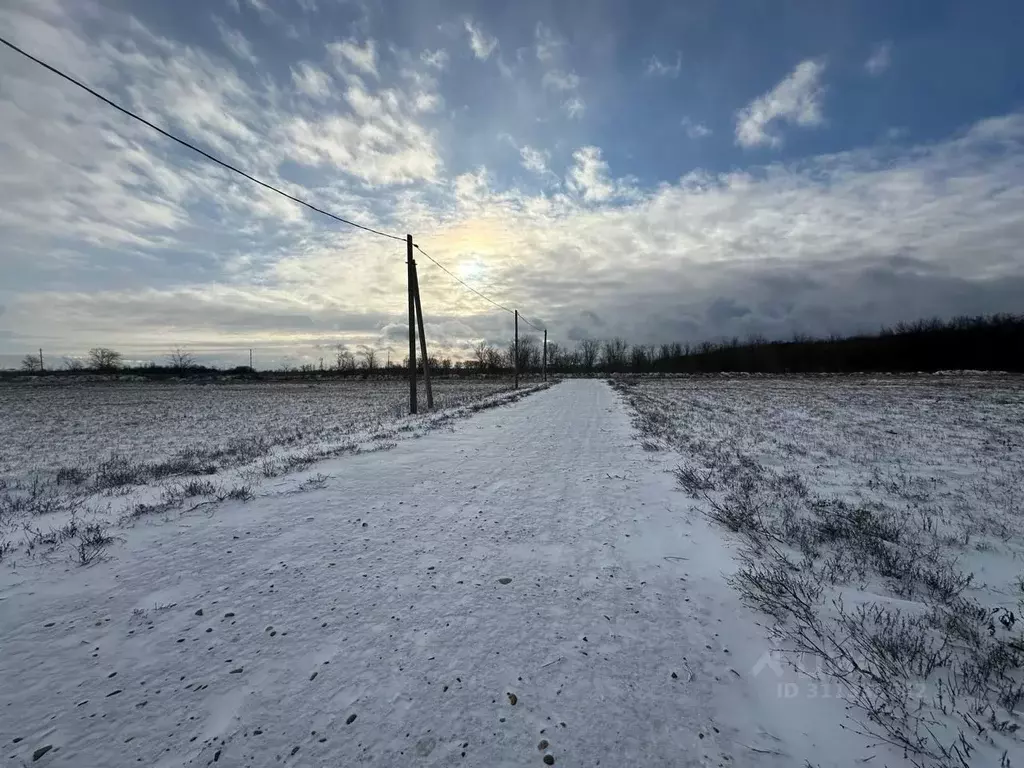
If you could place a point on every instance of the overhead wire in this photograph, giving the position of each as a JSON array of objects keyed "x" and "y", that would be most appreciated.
[
  {"x": 531, "y": 324},
  {"x": 191, "y": 146},
  {"x": 455, "y": 277},
  {"x": 248, "y": 176}
]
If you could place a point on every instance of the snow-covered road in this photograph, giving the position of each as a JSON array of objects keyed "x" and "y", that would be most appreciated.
[{"x": 535, "y": 552}]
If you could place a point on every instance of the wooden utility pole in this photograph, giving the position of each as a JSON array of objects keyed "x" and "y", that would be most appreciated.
[
  {"x": 412, "y": 324},
  {"x": 515, "y": 350},
  {"x": 250, "y": 358},
  {"x": 544, "y": 365},
  {"x": 423, "y": 340},
  {"x": 40, "y": 359}
]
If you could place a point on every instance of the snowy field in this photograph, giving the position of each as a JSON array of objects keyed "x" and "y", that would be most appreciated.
[
  {"x": 94, "y": 453},
  {"x": 882, "y": 526},
  {"x": 707, "y": 571},
  {"x": 55, "y": 424}
]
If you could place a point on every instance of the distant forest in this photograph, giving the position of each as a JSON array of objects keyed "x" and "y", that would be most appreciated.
[{"x": 983, "y": 343}]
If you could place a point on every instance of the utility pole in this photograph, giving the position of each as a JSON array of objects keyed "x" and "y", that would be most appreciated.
[
  {"x": 412, "y": 324},
  {"x": 544, "y": 365},
  {"x": 515, "y": 350},
  {"x": 250, "y": 358},
  {"x": 40, "y": 359},
  {"x": 423, "y": 340}
]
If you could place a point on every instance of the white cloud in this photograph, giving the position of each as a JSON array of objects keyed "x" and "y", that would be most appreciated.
[
  {"x": 547, "y": 44},
  {"x": 796, "y": 99},
  {"x": 534, "y": 159},
  {"x": 879, "y": 60},
  {"x": 312, "y": 81},
  {"x": 588, "y": 176},
  {"x": 266, "y": 13},
  {"x": 695, "y": 129},
  {"x": 236, "y": 42},
  {"x": 508, "y": 71},
  {"x": 560, "y": 81},
  {"x": 575, "y": 107},
  {"x": 140, "y": 236},
  {"x": 437, "y": 59},
  {"x": 480, "y": 42},
  {"x": 656, "y": 68},
  {"x": 837, "y": 243},
  {"x": 362, "y": 57}
]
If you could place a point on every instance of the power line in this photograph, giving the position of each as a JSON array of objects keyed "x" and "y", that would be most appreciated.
[
  {"x": 251, "y": 178},
  {"x": 529, "y": 323},
  {"x": 194, "y": 148},
  {"x": 448, "y": 272},
  {"x": 444, "y": 269}
]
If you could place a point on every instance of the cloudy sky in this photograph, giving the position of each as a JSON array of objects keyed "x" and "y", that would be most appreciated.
[{"x": 675, "y": 170}]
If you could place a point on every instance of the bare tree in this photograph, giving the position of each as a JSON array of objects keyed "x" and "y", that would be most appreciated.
[
  {"x": 529, "y": 353},
  {"x": 615, "y": 353},
  {"x": 104, "y": 359},
  {"x": 640, "y": 357},
  {"x": 30, "y": 363},
  {"x": 554, "y": 354},
  {"x": 344, "y": 360},
  {"x": 181, "y": 360},
  {"x": 587, "y": 351},
  {"x": 493, "y": 358},
  {"x": 480, "y": 352},
  {"x": 369, "y": 355},
  {"x": 73, "y": 364}
]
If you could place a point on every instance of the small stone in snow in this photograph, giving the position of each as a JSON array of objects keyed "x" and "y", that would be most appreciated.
[
  {"x": 675, "y": 676},
  {"x": 236, "y": 671},
  {"x": 512, "y": 698},
  {"x": 294, "y": 750},
  {"x": 229, "y": 615},
  {"x": 199, "y": 612},
  {"x": 351, "y": 719},
  {"x": 549, "y": 759},
  {"x": 41, "y": 751},
  {"x": 505, "y": 580},
  {"x": 313, "y": 676},
  {"x": 543, "y": 745}
]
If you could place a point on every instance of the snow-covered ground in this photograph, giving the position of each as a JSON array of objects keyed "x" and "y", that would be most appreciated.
[
  {"x": 79, "y": 457},
  {"x": 53, "y": 424},
  {"x": 882, "y": 526},
  {"x": 526, "y": 587}
]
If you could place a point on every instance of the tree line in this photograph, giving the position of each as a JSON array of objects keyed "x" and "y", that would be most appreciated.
[
  {"x": 984, "y": 343},
  {"x": 989, "y": 342}
]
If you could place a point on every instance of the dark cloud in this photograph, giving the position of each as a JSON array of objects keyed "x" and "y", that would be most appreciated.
[{"x": 724, "y": 310}]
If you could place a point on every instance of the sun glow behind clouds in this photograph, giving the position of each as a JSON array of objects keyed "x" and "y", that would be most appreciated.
[
  {"x": 113, "y": 237},
  {"x": 471, "y": 269}
]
